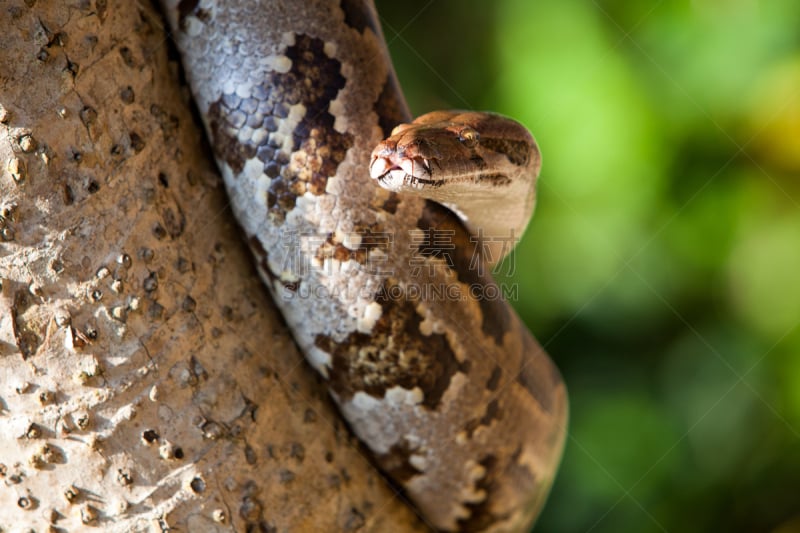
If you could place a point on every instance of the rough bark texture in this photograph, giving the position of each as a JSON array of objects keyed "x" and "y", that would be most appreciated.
[{"x": 146, "y": 380}]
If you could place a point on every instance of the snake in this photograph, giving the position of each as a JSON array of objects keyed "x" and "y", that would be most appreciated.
[{"x": 375, "y": 235}]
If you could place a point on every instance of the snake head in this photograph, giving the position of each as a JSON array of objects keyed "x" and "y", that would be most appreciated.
[
  {"x": 443, "y": 149},
  {"x": 481, "y": 166}
]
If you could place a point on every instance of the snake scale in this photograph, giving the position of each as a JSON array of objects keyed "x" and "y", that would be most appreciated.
[{"x": 456, "y": 401}]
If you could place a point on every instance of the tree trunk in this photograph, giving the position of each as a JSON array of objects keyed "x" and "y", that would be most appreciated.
[{"x": 146, "y": 380}]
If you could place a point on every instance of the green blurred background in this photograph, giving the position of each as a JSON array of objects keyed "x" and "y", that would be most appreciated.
[{"x": 662, "y": 268}]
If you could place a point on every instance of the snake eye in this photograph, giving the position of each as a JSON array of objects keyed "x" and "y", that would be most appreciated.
[{"x": 469, "y": 137}]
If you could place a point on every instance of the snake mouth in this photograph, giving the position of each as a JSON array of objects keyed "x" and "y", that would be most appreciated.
[
  {"x": 397, "y": 178},
  {"x": 394, "y": 173}
]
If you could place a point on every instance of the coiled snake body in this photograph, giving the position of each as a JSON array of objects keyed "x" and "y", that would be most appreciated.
[{"x": 453, "y": 396}]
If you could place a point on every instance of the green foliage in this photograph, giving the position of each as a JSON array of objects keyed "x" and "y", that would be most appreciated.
[{"x": 662, "y": 268}]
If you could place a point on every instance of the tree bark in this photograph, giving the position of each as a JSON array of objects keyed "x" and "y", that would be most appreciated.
[{"x": 146, "y": 380}]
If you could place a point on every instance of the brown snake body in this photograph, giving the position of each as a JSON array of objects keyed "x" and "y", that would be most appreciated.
[{"x": 455, "y": 399}]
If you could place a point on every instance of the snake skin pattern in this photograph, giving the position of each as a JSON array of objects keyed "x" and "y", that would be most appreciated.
[{"x": 455, "y": 399}]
